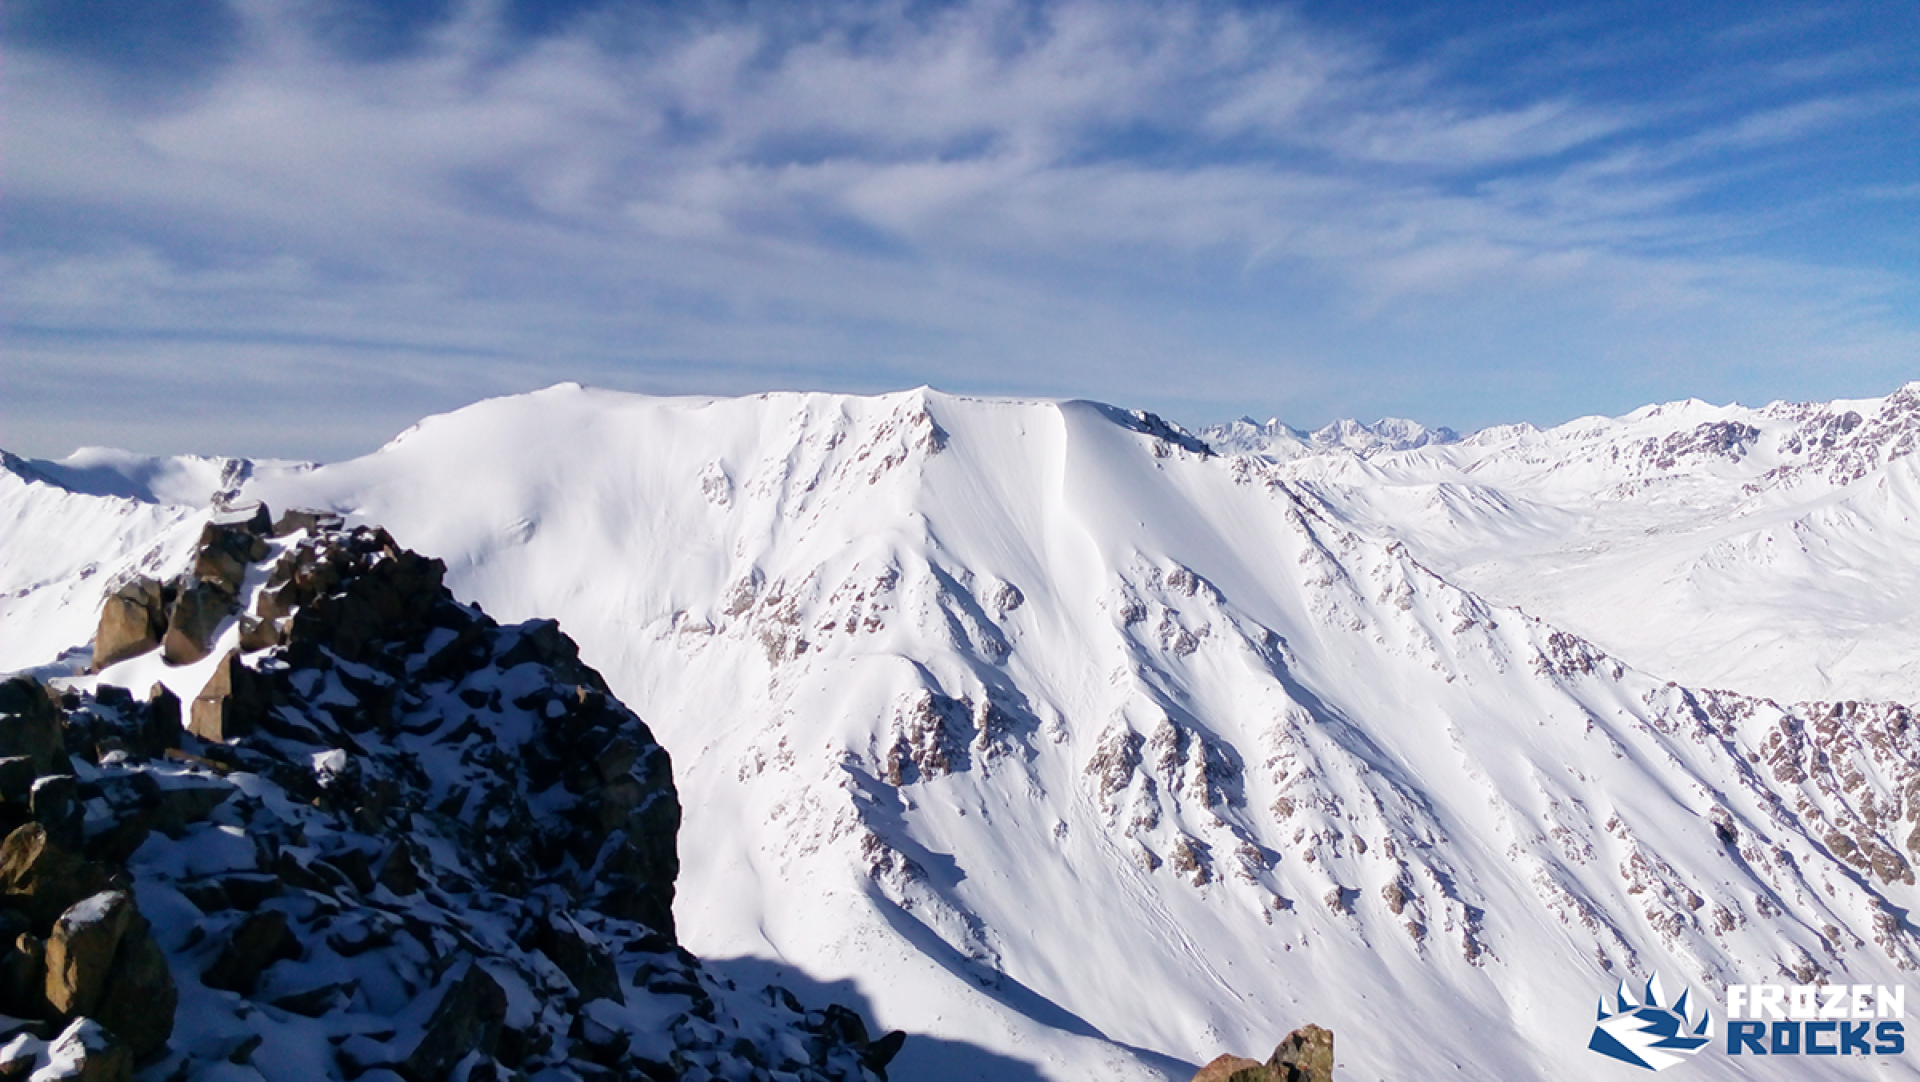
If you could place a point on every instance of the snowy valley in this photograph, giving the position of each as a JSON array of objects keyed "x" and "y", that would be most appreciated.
[{"x": 1076, "y": 745}]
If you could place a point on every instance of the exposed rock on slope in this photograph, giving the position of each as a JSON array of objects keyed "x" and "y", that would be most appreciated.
[
  {"x": 1306, "y": 1055},
  {"x": 1721, "y": 546},
  {"x": 929, "y": 665},
  {"x": 398, "y": 840}
]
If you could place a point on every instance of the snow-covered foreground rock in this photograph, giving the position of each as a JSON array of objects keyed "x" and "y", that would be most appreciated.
[
  {"x": 1081, "y": 750},
  {"x": 395, "y": 840}
]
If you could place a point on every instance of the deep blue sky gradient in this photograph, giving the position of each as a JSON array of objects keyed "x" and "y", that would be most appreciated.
[{"x": 292, "y": 228}]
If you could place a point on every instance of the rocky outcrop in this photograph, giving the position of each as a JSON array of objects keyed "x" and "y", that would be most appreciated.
[
  {"x": 233, "y": 703},
  {"x": 467, "y": 1022},
  {"x": 82, "y": 949},
  {"x": 184, "y": 615},
  {"x": 77, "y": 946},
  {"x": 438, "y": 846},
  {"x": 132, "y": 622},
  {"x": 30, "y": 727},
  {"x": 210, "y": 592},
  {"x": 102, "y": 963},
  {"x": 1226, "y": 1066},
  {"x": 1306, "y": 1055},
  {"x": 262, "y": 939}
]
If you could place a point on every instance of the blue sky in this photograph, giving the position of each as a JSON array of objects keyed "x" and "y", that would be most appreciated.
[{"x": 293, "y": 228}]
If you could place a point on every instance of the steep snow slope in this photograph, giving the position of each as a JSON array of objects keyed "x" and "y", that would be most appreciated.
[
  {"x": 61, "y": 548},
  {"x": 1070, "y": 744},
  {"x": 69, "y": 528},
  {"x": 1771, "y": 550}
]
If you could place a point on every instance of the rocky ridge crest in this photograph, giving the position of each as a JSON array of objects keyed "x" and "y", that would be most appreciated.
[{"x": 392, "y": 839}]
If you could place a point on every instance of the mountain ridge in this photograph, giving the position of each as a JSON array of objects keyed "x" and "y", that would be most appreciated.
[{"x": 937, "y": 663}]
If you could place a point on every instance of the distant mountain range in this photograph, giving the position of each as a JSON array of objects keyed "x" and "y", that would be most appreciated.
[{"x": 1077, "y": 744}]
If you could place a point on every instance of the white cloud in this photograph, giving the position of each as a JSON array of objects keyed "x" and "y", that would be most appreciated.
[{"x": 1047, "y": 198}]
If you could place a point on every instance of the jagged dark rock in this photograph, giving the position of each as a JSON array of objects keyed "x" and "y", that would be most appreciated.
[
  {"x": 43, "y": 880},
  {"x": 259, "y": 941},
  {"x": 54, "y": 803},
  {"x": 468, "y": 1020},
  {"x": 881, "y": 1052},
  {"x": 233, "y": 703},
  {"x": 209, "y": 594},
  {"x": 588, "y": 965},
  {"x": 441, "y": 839},
  {"x": 114, "y": 721},
  {"x": 30, "y": 726}
]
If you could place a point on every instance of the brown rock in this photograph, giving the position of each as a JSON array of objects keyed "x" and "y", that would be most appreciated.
[
  {"x": 258, "y": 634},
  {"x": 30, "y": 726},
  {"x": 260, "y": 940},
  {"x": 80, "y": 951},
  {"x": 140, "y": 998},
  {"x": 308, "y": 519},
  {"x": 1306, "y": 1055},
  {"x": 196, "y": 616},
  {"x": 1226, "y": 1066},
  {"x": 132, "y": 620},
  {"x": 94, "y": 1052},
  {"x": 229, "y": 543},
  {"x": 43, "y": 880},
  {"x": 232, "y": 703}
]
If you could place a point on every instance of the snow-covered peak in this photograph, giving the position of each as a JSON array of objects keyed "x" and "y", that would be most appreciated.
[
  {"x": 1080, "y": 745},
  {"x": 1246, "y": 436},
  {"x": 190, "y": 480}
]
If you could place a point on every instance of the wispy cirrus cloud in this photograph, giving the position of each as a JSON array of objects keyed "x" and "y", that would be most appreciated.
[{"x": 1063, "y": 198}]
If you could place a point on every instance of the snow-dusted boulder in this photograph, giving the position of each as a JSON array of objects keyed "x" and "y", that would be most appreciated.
[{"x": 398, "y": 840}]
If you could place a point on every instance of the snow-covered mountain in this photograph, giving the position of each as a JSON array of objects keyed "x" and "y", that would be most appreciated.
[
  {"x": 1083, "y": 747},
  {"x": 1275, "y": 440},
  {"x": 1770, "y": 550}
]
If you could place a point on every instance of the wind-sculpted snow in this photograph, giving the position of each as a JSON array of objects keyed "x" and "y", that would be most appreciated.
[{"x": 1084, "y": 743}]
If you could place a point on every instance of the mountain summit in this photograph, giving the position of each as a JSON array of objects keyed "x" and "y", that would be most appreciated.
[{"x": 1081, "y": 744}]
